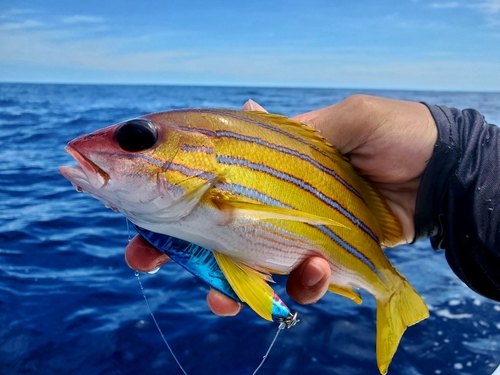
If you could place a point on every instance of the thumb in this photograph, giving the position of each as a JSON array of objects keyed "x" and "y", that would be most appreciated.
[
  {"x": 307, "y": 117},
  {"x": 339, "y": 123},
  {"x": 331, "y": 123},
  {"x": 322, "y": 119}
]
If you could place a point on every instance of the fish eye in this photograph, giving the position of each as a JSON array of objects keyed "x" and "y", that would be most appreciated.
[{"x": 136, "y": 135}]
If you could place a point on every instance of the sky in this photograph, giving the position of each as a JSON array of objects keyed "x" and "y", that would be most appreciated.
[{"x": 400, "y": 44}]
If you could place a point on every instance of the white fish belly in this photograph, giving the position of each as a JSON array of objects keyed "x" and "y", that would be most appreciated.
[{"x": 251, "y": 241}]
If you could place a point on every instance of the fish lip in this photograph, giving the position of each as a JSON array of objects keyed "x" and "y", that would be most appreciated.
[{"x": 93, "y": 174}]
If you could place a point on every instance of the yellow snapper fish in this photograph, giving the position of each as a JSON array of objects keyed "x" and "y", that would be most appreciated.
[{"x": 263, "y": 193}]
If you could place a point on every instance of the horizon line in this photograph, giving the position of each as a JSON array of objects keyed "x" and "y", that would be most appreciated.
[{"x": 303, "y": 87}]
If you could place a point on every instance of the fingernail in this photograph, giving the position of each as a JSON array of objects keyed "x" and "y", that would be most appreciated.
[
  {"x": 152, "y": 272},
  {"x": 312, "y": 275}
]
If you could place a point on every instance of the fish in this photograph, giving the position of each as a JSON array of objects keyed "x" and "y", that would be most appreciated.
[{"x": 262, "y": 192}]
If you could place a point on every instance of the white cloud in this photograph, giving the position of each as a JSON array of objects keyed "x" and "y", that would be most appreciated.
[
  {"x": 491, "y": 10},
  {"x": 81, "y": 19},
  {"x": 24, "y": 19},
  {"x": 16, "y": 12},
  {"x": 489, "y": 6},
  {"x": 22, "y": 25},
  {"x": 450, "y": 4}
]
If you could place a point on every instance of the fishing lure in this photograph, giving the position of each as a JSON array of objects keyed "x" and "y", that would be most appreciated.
[{"x": 202, "y": 264}]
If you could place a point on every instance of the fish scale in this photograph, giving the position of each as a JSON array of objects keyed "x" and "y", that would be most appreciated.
[{"x": 260, "y": 193}]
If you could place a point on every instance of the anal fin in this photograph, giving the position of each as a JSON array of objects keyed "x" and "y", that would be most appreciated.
[
  {"x": 248, "y": 284},
  {"x": 345, "y": 291}
]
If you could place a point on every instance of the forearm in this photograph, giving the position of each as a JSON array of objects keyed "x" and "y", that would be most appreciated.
[{"x": 459, "y": 196}]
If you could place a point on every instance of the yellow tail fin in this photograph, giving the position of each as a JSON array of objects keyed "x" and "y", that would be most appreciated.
[{"x": 401, "y": 310}]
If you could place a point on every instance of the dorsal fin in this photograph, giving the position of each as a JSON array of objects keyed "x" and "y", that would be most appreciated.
[{"x": 299, "y": 129}]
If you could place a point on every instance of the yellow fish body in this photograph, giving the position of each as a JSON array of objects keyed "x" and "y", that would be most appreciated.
[{"x": 263, "y": 193}]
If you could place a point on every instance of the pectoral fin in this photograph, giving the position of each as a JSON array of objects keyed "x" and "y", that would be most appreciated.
[
  {"x": 248, "y": 284},
  {"x": 257, "y": 211},
  {"x": 189, "y": 193}
]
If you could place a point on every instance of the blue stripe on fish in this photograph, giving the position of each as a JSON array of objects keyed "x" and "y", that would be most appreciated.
[
  {"x": 230, "y": 160},
  {"x": 188, "y": 148},
  {"x": 191, "y": 171},
  {"x": 350, "y": 249},
  {"x": 207, "y": 132},
  {"x": 252, "y": 194},
  {"x": 289, "y": 151}
]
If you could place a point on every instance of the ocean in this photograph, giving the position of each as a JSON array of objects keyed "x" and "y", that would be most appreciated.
[{"x": 69, "y": 304}]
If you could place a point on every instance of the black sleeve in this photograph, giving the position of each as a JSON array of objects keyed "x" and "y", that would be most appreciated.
[{"x": 458, "y": 202}]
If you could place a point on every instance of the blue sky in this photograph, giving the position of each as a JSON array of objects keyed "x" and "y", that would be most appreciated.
[{"x": 400, "y": 44}]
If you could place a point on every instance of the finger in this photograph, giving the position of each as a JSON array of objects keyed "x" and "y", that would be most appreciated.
[
  {"x": 222, "y": 305},
  {"x": 329, "y": 121},
  {"x": 309, "y": 282},
  {"x": 344, "y": 124},
  {"x": 141, "y": 256},
  {"x": 250, "y": 105},
  {"x": 306, "y": 117}
]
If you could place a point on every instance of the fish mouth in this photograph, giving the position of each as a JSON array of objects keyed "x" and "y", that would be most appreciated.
[{"x": 86, "y": 175}]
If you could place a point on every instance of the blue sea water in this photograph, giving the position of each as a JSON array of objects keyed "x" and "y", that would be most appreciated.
[{"x": 70, "y": 305}]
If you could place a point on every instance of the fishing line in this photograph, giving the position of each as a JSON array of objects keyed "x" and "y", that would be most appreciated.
[
  {"x": 280, "y": 328},
  {"x": 157, "y": 325},
  {"x": 128, "y": 230},
  {"x": 151, "y": 311}
]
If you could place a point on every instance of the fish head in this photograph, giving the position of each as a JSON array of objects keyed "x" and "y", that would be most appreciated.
[{"x": 122, "y": 166}]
